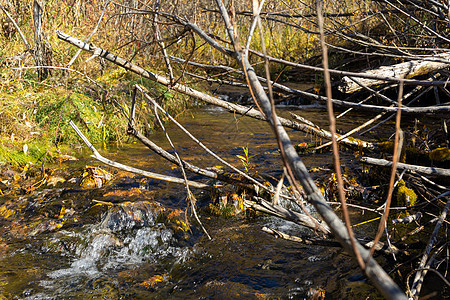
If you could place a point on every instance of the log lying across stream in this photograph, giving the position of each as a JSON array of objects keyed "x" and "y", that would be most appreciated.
[
  {"x": 411, "y": 168},
  {"x": 403, "y": 70}
]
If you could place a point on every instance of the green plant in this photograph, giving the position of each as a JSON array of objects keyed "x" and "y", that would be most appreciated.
[{"x": 245, "y": 160}]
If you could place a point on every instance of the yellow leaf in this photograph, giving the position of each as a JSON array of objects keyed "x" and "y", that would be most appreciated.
[
  {"x": 6, "y": 212},
  {"x": 182, "y": 225},
  {"x": 62, "y": 212},
  {"x": 152, "y": 281},
  {"x": 322, "y": 190}
]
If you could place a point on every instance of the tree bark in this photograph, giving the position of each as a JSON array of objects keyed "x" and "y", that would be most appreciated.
[
  {"x": 43, "y": 51},
  {"x": 404, "y": 70}
]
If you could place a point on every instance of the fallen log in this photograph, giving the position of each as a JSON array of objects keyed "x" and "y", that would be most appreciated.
[
  {"x": 181, "y": 88},
  {"x": 117, "y": 165},
  {"x": 403, "y": 70},
  {"x": 407, "y": 167}
]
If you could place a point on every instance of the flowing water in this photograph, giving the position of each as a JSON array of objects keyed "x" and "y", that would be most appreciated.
[{"x": 129, "y": 239}]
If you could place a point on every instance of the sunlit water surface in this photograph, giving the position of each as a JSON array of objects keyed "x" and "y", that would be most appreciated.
[{"x": 103, "y": 253}]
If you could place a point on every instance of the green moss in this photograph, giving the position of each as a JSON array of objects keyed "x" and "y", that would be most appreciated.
[
  {"x": 56, "y": 108},
  {"x": 13, "y": 153},
  {"x": 13, "y": 156},
  {"x": 405, "y": 195},
  {"x": 112, "y": 76},
  {"x": 440, "y": 154},
  {"x": 387, "y": 146},
  {"x": 38, "y": 116}
]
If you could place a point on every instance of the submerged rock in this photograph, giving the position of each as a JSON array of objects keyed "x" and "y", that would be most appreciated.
[{"x": 128, "y": 215}]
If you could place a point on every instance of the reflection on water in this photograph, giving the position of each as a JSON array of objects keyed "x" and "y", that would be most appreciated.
[{"x": 143, "y": 250}]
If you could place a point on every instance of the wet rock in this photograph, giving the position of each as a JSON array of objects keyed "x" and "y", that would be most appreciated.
[{"x": 129, "y": 215}]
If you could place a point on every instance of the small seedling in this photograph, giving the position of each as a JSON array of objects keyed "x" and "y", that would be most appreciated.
[{"x": 245, "y": 160}]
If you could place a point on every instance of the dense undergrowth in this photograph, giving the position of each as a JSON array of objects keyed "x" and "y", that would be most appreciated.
[{"x": 34, "y": 113}]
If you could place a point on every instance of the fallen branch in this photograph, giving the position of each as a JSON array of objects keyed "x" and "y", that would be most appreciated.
[
  {"x": 381, "y": 247},
  {"x": 411, "y": 168},
  {"x": 314, "y": 129},
  {"x": 18, "y": 29},
  {"x": 408, "y": 219},
  {"x": 303, "y": 240},
  {"x": 407, "y": 110},
  {"x": 418, "y": 279},
  {"x": 117, "y": 165},
  {"x": 344, "y": 137},
  {"x": 91, "y": 34},
  {"x": 232, "y": 107},
  {"x": 275, "y": 210}
]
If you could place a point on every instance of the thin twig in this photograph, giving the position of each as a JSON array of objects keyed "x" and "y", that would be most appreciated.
[
  {"x": 398, "y": 140},
  {"x": 410, "y": 168},
  {"x": 91, "y": 34},
  {"x": 55, "y": 142},
  {"x": 190, "y": 195},
  {"x": 337, "y": 165},
  {"x": 18, "y": 29},
  {"x": 61, "y": 68}
]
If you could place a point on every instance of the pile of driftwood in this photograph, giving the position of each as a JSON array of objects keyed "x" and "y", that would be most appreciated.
[{"x": 411, "y": 80}]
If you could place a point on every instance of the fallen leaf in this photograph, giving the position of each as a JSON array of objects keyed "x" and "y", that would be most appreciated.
[
  {"x": 64, "y": 157},
  {"x": 54, "y": 180}
]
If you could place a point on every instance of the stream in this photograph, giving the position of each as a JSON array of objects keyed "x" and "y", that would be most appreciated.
[{"x": 129, "y": 239}]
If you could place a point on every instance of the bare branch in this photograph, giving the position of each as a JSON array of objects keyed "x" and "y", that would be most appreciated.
[{"x": 114, "y": 164}]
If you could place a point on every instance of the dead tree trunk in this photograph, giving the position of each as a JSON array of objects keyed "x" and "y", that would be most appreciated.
[{"x": 43, "y": 51}]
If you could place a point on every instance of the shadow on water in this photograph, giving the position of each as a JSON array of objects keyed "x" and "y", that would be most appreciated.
[{"x": 133, "y": 242}]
